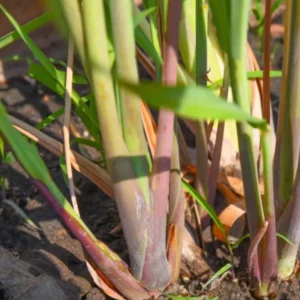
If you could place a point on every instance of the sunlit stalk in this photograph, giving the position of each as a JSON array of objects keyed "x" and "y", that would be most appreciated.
[
  {"x": 67, "y": 118},
  {"x": 237, "y": 58},
  {"x": 288, "y": 139},
  {"x": 215, "y": 163},
  {"x": 267, "y": 51},
  {"x": 201, "y": 182},
  {"x": 268, "y": 247},
  {"x": 123, "y": 36},
  {"x": 68, "y": 11},
  {"x": 132, "y": 127},
  {"x": 289, "y": 226},
  {"x": 155, "y": 36},
  {"x": 160, "y": 179},
  {"x": 128, "y": 192},
  {"x": 176, "y": 216},
  {"x": 286, "y": 162},
  {"x": 165, "y": 130}
]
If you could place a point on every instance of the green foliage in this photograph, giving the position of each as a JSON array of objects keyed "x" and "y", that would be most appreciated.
[
  {"x": 258, "y": 11},
  {"x": 27, "y": 28},
  {"x": 193, "y": 102},
  {"x": 105, "y": 34}
]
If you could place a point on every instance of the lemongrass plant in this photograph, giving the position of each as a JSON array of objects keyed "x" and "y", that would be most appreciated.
[{"x": 142, "y": 163}]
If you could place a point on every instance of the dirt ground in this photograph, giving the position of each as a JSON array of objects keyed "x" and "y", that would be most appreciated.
[{"x": 49, "y": 263}]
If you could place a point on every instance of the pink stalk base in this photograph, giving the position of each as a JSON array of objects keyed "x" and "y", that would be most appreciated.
[{"x": 108, "y": 263}]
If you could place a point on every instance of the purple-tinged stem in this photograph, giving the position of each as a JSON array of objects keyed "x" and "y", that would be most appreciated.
[
  {"x": 176, "y": 213},
  {"x": 289, "y": 226},
  {"x": 267, "y": 51},
  {"x": 107, "y": 261},
  {"x": 160, "y": 177},
  {"x": 286, "y": 160},
  {"x": 201, "y": 180},
  {"x": 268, "y": 247},
  {"x": 288, "y": 138},
  {"x": 162, "y": 160},
  {"x": 215, "y": 164}
]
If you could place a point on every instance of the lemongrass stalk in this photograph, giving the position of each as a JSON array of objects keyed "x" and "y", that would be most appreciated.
[
  {"x": 163, "y": 152},
  {"x": 108, "y": 262},
  {"x": 288, "y": 140},
  {"x": 132, "y": 127},
  {"x": 201, "y": 184},
  {"x": 286, "y": 149},
  {"x": 289, "y": 226},
  {"x": 94, "y": 17},
  {"x": 237, "y": 62},
  {"x": 241, "y": 97},
  {"x": 286, "y": 162},
  {"x": 155, "y": 251},
  {"x": 123, "y": 36},
  {"x": 160, "y": 177},
  {"x": 176, "y": 212},
  {"x": 267, "y": 50},
  {"x": 268, "y": 247},
  {"x": 215, "y": 162},
  {"x": 187, "y": 42},
  {"x": 183, "y": 76},
  {"x": 69, "y": 18},
  {"x": 129, "y": 195}
]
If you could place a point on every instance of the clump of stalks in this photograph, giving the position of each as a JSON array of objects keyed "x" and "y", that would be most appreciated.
[{"x": 142, "y": 159}]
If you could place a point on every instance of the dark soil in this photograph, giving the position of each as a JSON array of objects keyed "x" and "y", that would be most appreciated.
[{"x": 49, "y": 263}]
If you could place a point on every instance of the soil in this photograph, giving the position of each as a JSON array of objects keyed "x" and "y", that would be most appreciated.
[{"x": 49, "y": 263}]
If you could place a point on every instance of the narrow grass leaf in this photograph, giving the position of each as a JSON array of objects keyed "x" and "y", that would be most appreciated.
[
  {"x": 143, "y": 41},
  {"x": 217, "y": 274},
  {"x": 204, "y": 204},
  {"x": 50, "y": 119},
  {"x": 220, "y": 13},
  {"x": 82, "y": 109},
  {"x": 258, "y": 10},
  {"x": 140, "y": 17},
  {"x": 1, "y": 147},
  {"x": 63, "y": 167},
  {"x": 17, "y": 57},
  {"x": 284, "y": 238},
  {"x": 259, "y": 74},
  {"x": 275, "y": 6},
  {"x": 237, "y": 243},
  {"x": 250, "y": 75},
  {"x": 60, "y": 76},
  {"x": 9, "y": 158},
  {"x": 39, "y": 73},
  {"x": 28, "y": 27},
  {"x": 85, "y": 142},
  {"x": 107, "y": 261},
  {"x": 29, "y": 42},
  {"x": 21, "y": 213}
]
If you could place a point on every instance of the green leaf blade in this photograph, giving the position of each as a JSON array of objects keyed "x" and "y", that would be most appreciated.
[{"x": 192, "y": 102}]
